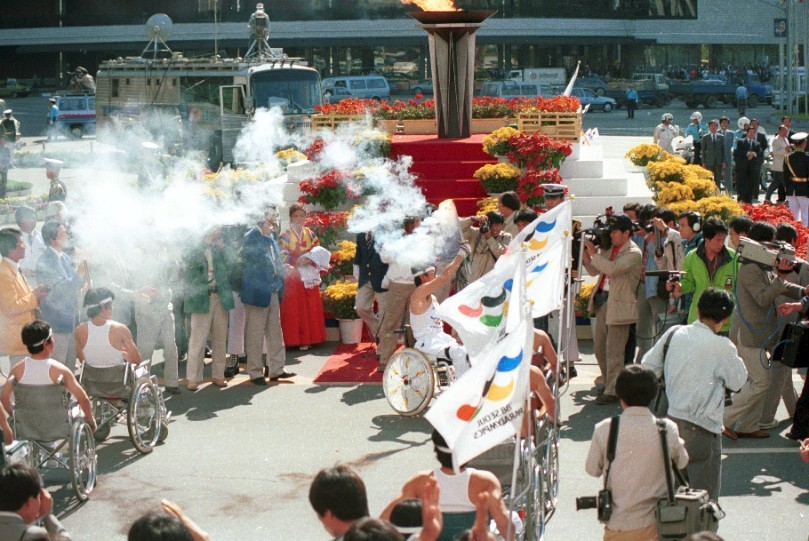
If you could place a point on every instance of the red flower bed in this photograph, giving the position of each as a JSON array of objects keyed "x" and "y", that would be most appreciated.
[
  {"x": 538, "y": 151},
  {"x": 779, "y": 214},
  {"x": 530, "y": 190},
  {"x": 328, "y": 226},
  {"x": 329, "y": 190}
]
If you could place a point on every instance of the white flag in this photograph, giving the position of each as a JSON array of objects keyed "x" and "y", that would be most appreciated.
[
  {"x": 548, "y": 241},
  {"x": 478, "y": 312},
  {"x": 485, "y": 407}
]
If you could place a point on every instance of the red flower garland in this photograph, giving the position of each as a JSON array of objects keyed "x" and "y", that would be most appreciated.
[{"x": 779, "y": 214}]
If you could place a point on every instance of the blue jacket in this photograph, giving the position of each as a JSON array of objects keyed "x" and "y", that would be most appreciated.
[
  {"x": 263, "y": 269},
  {"x": 371, "y": 267},
  {"x": 60, "y": 307}
]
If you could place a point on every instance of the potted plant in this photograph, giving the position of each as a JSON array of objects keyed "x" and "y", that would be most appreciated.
[
  {"x": 498, "y": 143},
  {"x": 497, "y": 178},
  {"x": 342, "y": 261},
  {"x": 530, "y": 189},
  {"x": 640, "y": 156},
  {"x": 328, "y": 226},
  {"x": 338, "y": 300},
  {"x": 329, "y": 190}
]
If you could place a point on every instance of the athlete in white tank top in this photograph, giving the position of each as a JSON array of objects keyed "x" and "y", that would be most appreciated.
[
  {"x": 454, "y": 495},
  {"x": 98, "y": 352},
  {"x": 37, "y": 372},
  {"x": 427, "y": 324}
]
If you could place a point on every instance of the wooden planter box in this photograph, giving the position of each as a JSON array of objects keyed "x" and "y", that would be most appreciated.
[
  {"x": 408, "y": 127},
  {"x": 565, "y": 126},
  {"x": 322, "y": 122},
  {"x": 488, "y": 125}
]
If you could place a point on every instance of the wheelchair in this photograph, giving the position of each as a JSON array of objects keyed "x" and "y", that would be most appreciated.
[
  {"x": 536, "y": 486},
  {"x": 412, "y": 378},
  {"x": 45, "y": 420},
  {"x": 127, "y": 392}
]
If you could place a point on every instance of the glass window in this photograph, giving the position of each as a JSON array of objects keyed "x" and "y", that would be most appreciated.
[
  {"x": 358, "y": 84},
  {"x": 376, "y": 83},
  {"x": 114, "y": 89},
  {"x": 295, "y": 91}
]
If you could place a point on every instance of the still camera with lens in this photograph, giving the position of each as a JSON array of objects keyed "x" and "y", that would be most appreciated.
[{"x": 602, "y": 503}]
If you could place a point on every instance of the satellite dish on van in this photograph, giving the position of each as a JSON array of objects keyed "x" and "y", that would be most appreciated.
[{"x": 158, "y": 30}]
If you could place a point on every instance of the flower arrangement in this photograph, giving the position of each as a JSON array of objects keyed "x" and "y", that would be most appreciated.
[
  {"x": 778, "y": 214},
  {"x": 9, "y": 205},
  {"x": 666, "y": 171},
  {"x": 644, "y": 153},
  {"x": 343, "y": 257},
  {"x": 489, "y": 107},
  {"x": 498, "y": 177},
  {"x": 329, "y": 190},
  {"x": 487, "y": 204},
  {"x": 315, "y": 149},
  {"x": 374, "y": 143},
  {"x": 339, "y": 298},
  {"x": 538, "y": 151},
  {"x": 405, "y": 110},
  {"x": 290, "y": 155},
  {"x": 328, "y": 226},
  {"x": 721, "y": 206},
  {"x": 498, "y": 143},
  {"x": 530, "y": 190},
  {"x": 348, "y": 107},
  {"x": 669, "y": 192},
  {"x": 556, "y": 104},
  {"x": 583, "y": 299}
]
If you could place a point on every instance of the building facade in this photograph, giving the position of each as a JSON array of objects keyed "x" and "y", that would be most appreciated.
[{"x": 45, "y": 38}]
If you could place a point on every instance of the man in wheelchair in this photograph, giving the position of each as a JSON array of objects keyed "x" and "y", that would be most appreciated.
[
  {"x": 102, "y": 342},
  {"x": 427, "y": 327},
  {"x": 40, "y": 369}
]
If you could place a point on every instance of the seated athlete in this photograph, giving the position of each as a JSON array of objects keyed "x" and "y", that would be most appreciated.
[
  {"x": 40, "y": 369},
  {"x": 102, "y": 342},
  {"x": 458, "y": 493},
  {"x": 427, "y": 327}
]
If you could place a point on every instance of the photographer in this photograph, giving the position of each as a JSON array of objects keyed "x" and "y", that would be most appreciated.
[
  {"x": 757, "y": 288},
  {"x": 636, "y": 478},
  {"x": 650, "y": 305},
  {"x": 710, "y": 265},
  {"x": 613, "y": 300},
  {"x": 488, "y": 240},
  {"x": 698, "y": 366}
]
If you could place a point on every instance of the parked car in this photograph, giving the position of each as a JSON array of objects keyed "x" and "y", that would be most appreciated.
[
  {"x": 514, "y": 89},
  {"x": 587, "y": 96},
  {"x": 12, "y": 89},
  {"x": 593, "y": 82},
  {"x": 423, "y": 87},
  {"x": 77, "y": 114},
  {"x": 359, "y": 86}
]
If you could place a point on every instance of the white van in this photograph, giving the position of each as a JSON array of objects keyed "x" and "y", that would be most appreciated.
[
  {"x": 364, "y": 86},
  {"x": 514, "y": 89}
]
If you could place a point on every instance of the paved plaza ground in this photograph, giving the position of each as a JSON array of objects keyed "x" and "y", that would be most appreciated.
[{"x": 239, "y": 460}]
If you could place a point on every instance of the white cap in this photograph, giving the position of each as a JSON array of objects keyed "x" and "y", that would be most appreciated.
[
  {"x": 696, "y": 115},
  {"x": 50, "y": 163},
  {"x": 744, "y": 121},
  {"x": 7, "y": 112},
  {"x": 798, "y": 137},
  {"x": 148, "y": 145},
  {"x": 54, "y": 208}
]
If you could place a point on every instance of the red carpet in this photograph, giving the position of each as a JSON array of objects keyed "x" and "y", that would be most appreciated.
[
  {"x": 444, "y": 167},
  {"x": 350, "y": 363}
]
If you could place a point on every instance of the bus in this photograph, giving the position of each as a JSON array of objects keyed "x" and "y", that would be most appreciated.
[
  {"x": 203, "y": 103},
  {"x": 798, "y": 87}
]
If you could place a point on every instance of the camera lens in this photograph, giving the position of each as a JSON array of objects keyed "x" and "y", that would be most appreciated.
[{"x": 586, "y": 502}]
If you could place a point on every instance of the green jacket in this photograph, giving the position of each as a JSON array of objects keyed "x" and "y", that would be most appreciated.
[
  {"x": 196, "y": 299},
  {"x": 698, "y": 280}
]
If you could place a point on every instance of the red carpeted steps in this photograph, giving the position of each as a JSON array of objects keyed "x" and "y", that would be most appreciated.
[{"x": 444, "y": 167}]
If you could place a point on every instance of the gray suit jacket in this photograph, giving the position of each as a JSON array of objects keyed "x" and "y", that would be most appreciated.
[
  {"x": 713, "y": 154},
  {"x": 756, "y": 291},
  {"x": 12, "y": 528}
]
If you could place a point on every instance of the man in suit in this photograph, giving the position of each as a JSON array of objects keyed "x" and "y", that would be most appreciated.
[
  {"x": 729, "y": 138},
  {"x": 713, "y": 151},
  {"x": 17, "y": 300},
  {"x": 747, "y": 166},
  {"x": 61, "y": 307},
  {"x": 369, "y": 272}
]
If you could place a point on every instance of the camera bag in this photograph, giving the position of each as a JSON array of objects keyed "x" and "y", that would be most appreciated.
[
  {"x": 793, "y": 348},
  {"x": 686, "y": 510}
]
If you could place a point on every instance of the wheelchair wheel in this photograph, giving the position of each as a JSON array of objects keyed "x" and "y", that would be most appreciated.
[
  {"x": 550, "y": 473},
  {"x": 143, "y": 417},
  {"x": 103, "y": 419},
  {"x": 82, "y": 459},
  {"x": 408, "y": 382}
]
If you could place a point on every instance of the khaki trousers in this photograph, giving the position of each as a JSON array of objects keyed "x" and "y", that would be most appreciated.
[
  {"x": 215, "y": 323},
  {"x": 745, "y": 413},
  {"x": 261, "y": 324},
  {"x": 610, "y": 344},
  {"x": 364, "y": 305},
  {"x": 649, "y": 533},
  {"x": 396, "y": 302}
]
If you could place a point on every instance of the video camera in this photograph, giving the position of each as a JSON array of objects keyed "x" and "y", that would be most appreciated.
[
  {"x": 642, "y": 226},
  {"x": 599, "y": 234},
  {"x": 767, "y": 256},
  {"x": 602, "y": 503},
  {"x": 668, "y": 275}
]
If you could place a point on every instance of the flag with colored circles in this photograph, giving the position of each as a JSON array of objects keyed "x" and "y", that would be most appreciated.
[
  {"x": 485, "y": 406},
  {"x": 548, "y": 241}
]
